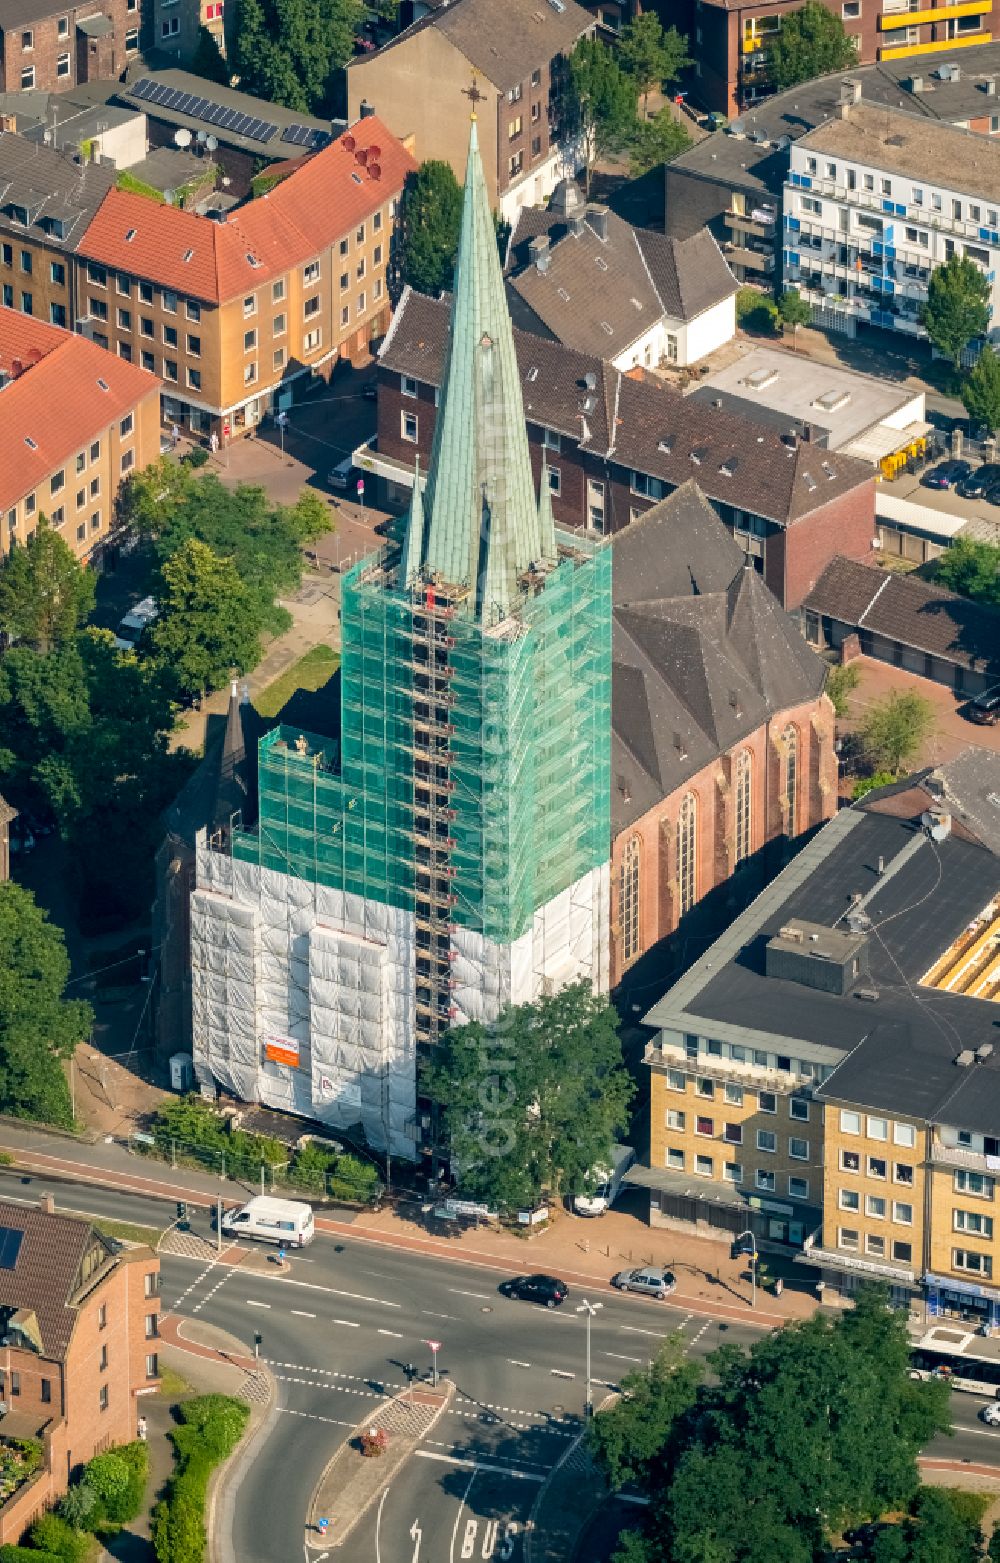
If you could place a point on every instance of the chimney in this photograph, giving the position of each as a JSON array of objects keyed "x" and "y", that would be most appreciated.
[
  {"x": 916, "y": 84},
  {"x": 597, "y": 216},
  {"x": 48, "y": 1204},
  {"x": 577, "y": 223},
  {"x": 991, "y": 86},
  {"x": 538, "y": 252},
  {"x": 365, "y": 109},
  {"x": 850, "y": 92},
  {"x": 8, "y": 122}
]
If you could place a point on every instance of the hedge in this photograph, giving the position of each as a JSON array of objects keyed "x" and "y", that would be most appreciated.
[
  {"x": 56, "y": 1538},
  {"x": 26, "y": 1555},
  {"x": 118, "y": 1478},
  {"x": 211, "y": 1427}
]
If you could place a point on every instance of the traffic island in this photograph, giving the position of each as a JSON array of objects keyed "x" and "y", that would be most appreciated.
[{"x": 354, "y": 1478}]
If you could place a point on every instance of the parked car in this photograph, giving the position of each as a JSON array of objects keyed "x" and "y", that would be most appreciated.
[
  {"x": 991, "y": 1413},
  {"x": 650, "y": 1280},
  {"x": 985, "y": 708},
  {"x": 946, "y": 474},
  {"x": 979, "y": 483},
  {"x": 138, "y": 619},
  {"x": 344, "y": 475},
  {"x": 545, "y": 1289}
]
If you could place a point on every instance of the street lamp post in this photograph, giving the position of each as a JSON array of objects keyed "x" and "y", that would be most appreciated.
[
  {"x": 435, "y": 1346},
  {"x": 753, "y": 1265},
  {"x": 590, "y": 1309}
]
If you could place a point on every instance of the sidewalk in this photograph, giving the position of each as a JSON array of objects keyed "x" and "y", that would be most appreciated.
[{"x": 585, "y": 1253}]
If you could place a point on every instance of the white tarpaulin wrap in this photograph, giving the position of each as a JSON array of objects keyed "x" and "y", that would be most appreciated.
[{"x": 303, "y": 998}]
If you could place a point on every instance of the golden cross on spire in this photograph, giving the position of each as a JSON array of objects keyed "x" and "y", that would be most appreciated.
[{"x": 473, "y": 94}]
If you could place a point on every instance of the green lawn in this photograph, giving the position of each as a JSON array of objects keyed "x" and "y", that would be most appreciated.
[{"x": 310, "y": 672}]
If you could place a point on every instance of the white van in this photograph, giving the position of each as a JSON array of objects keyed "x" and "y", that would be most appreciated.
[
  {"x": 135, "y": 621},
  {"x": 604, "y": 1183},
  {"x": 286, "y": 1222}
]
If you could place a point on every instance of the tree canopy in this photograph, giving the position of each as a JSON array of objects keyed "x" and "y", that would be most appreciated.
[
  {"x": 38, "y": 1027},
  {"x": 895, "y": 729},
  {"x": 656, "y": 141},
  {"x": 291, "y": 51},
  {"x": 209, "y": 623},
  {"x": 813, "y": 1428},
  {"x": 603, "y": 99},
  {"x": 650, "y": 54},
  {"x": 533, "y": 1100},
  {"x": 956, "y": 310},
  {"x": 431, "y": 217},
  {"x": 980, "y": 390},
  {"x": 810, "y": 42},
  {"x": 793, "y": 309},
  {"x": 45, "y": 594},
  {"x": 971, "y": 568}
]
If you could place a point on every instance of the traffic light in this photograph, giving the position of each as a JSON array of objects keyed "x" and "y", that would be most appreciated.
[
  {"x": 258, "y": 1341},
  {"x": 182, "y": 1210}
]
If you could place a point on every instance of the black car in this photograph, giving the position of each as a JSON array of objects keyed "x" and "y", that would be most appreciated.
[
  {"x": 946, "y": 474},
  {"x": 536, "y": 1288},
  {"x": 985, "y": 708},
  {"x": 979, "y": 483}
]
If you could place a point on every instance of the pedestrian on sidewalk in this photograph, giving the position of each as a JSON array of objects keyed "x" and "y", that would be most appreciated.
[
  {"x": 214, "y": 443},
  {"x": 175, "y": 436}
]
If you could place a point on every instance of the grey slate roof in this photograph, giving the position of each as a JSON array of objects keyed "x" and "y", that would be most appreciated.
[
  {"x": 504, "y": 43},
  {"x": 600, "y": 295},
  {"x": 900, "y": 607},
  {"x": 51, "y": 185},
  {"x": 640, "y": 423},
  {"x": 702, "y": 652}
]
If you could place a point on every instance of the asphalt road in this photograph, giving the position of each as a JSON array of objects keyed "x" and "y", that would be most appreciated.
[{"x": 338, "y": 1332}]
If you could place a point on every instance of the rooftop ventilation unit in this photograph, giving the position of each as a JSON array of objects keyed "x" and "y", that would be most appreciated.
[
  {"x": 937, "y": 823},
  {"x": 984, "y": 1051}
]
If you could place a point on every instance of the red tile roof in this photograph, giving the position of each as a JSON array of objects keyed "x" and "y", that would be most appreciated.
[
  {"x": 65, "y": 392},
  {"x": 327, "y": 195}
]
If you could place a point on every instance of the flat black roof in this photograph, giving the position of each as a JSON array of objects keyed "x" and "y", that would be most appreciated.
[{"x": 898, "y": 1050}]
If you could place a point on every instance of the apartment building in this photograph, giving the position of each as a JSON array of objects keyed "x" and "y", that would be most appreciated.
[
  {"x": 875, "y": 199},
  {"x": 730, "y": 39},
  {"x": 513, "y": 57},
  {"x": 52, "y": 46},
  {"x": 613, "y": 445},
  {"x": 80, "y": 1324},
  {"x": 797, "y": 1064},
  {"x": 74, "y": 422},
  {"x": 47, "y": 199},
  {"x": 230, "y": 314}
]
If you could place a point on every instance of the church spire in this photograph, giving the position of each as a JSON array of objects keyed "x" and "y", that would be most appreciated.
[{"x": 481, "y": 521}]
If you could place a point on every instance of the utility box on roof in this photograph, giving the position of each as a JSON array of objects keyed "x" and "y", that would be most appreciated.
[
  {"x": 829, "y": 960},
  {"x": 181, "y": 1072}
]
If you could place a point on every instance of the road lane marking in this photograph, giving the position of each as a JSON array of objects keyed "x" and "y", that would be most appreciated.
[
  {"x": 618, "y": 1357},
  {"x": 378, "y": 1526},
  {"x": 252, "y": 1303},
  {"x": 453, "y": 1318},
  {"x": 313, "y": 1416},
  {"x": 300, "y": 1314},
  {"x": 480, "y": 1465},
  {"x": 348, "y": 1324},
  {"x": 633, "y": 1329},
  {"x": 331, "y": 1291},
  {"x": 515, "y": 1364},
  {"x": 561, "y": 1373},
  {"x": 482, "y": 1296},
  {"x": 394, "y": 1333},
  {"x": 458, "y": 1516}
]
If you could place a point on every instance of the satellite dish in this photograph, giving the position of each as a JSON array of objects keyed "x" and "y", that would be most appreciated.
[
  {"x": 783, "y": 143},
  {"x": 202, "y": 136},
  {"x": 182, "y": 137},
  {"x": 211, "y": 143},
  {"x": 226, "y": 180}
]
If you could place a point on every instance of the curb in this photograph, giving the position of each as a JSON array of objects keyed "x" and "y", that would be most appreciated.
[
  {"x": 346, "y": 1527},
  {"x": 430, "y": 1248},
  {"x": 531, "y": 1529}
]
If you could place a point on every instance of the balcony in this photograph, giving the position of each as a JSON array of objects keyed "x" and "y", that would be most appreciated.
[
  {"x": 754, "y": 1076},
  {"x": 906, "y": 50},
  {"x": 750, "y": 260},
  {"x": 889, "y": 20},
  {"x": 814, "y": 1254},
  {"x": 760, "y": 220},
  {"x": 959, "y": 1156}
]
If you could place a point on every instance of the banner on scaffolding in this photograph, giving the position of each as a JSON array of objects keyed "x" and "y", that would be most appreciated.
[{"x": 282, "y": 1050}]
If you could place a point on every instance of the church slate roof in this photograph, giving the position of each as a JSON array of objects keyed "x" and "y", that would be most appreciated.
[{"x": 703, "y": 654}]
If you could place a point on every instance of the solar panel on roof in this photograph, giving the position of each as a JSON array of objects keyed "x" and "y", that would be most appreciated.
[
  {"x": 268, "y": 132},
  {"x": 253, "y": 129},
  {"x": 158, "y": 93},
  {"x": 141, "y": 88},
  {"x": 10, "y": 1246},
  {"x": 229, "y": 118},
  {"x": 184, "y": 102}
]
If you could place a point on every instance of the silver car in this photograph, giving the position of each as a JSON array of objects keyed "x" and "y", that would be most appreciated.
[{"x": 651, "y": 1281}]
